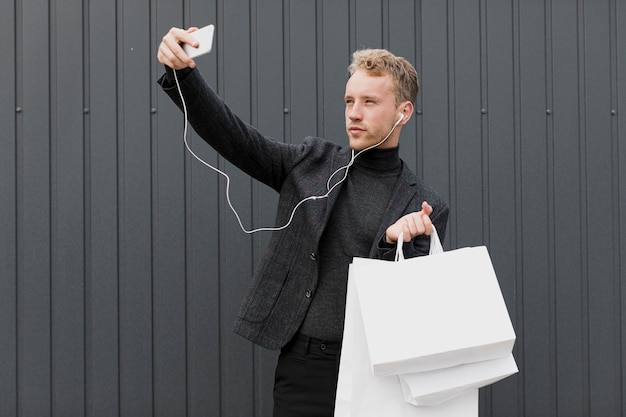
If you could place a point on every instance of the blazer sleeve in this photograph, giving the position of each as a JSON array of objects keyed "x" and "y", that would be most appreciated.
[{"x": 261, "y": 157}]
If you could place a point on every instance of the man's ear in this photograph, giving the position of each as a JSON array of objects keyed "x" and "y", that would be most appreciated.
[{"x": 406, "y": 109}]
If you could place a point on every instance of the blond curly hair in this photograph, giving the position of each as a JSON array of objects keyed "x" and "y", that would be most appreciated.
[{"x": 379, "y": 62}]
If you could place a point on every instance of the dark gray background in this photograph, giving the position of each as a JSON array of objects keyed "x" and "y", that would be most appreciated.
[{"x": 121, "y": 267}]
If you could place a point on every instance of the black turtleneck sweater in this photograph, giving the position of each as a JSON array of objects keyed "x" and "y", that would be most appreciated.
[{"x": 350, "y": 232}]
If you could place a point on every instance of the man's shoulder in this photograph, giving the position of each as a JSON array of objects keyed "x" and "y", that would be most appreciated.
[
  {"x": 318, "y": 147},
  {"x": 323, "y": 144},
  {"x": 424, "y": 191}
]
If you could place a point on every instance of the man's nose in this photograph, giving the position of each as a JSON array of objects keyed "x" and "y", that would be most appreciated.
[{"x": 354, "y": 113}]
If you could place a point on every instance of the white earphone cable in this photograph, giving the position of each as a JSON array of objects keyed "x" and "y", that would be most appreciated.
[{"x": 329, "y": 188}]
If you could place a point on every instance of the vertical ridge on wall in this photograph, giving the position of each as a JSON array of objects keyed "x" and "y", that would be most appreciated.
[
  {"x": 569, "y": 285},
  {"x": 419, "y": 104},
  {"x": 303, "y": 52},
  {"x": 584, "y": 233},
  {"x": 33, "y": 205},
  {"x": 137, "y": 281},
  {"x": 67, "y": 267},
  {"x": 534, "y": 171},
  {"x": 320, "y": 64},
  {"x": 435, "y": 95},
  {"x": 337, "y": 50},
  {"x": 169, "y": 237},
  {"x": 620, "y": 386},
  {"x": 103, "y": 250},
  {"x": 9, "y": 116},
  {"x": 484, "y": 119},
  {"x": 352, "y": 33},
  {"x": 599, "y": 221},
  {"x": 550, "y": 203},
  {"x": 519, "y": 270},
  {"x": 506, "y": 397},
  {"x": 400, "y": 27},
  {"x": 451, "y": 119},
  {"x": 286, "y": 45},
  {"x": 88, "y": 208},
  {"x": 385, "y": 23},
  {"x": 620, "y": 106},
  {"x": 618, "y": 59},
  {"x": 467, "y": 147},
  {"x": 486, "y": 399}
]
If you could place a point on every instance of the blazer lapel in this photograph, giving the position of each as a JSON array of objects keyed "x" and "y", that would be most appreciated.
[{"x": 402, "y": 196}]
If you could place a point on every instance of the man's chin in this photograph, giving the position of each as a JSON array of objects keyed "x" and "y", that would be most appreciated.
[{"x": 357, "y": 144}]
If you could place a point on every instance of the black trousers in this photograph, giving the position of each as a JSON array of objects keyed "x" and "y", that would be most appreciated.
[{"x": 306, "y": 378}]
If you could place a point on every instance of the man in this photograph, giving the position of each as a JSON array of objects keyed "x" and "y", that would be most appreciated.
[{"x": 296, "y": 301}]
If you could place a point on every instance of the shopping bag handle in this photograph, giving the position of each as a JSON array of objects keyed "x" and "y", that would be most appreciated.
[{"x": 435, "y": 245}]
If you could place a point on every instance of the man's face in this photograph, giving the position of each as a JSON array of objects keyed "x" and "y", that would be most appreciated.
[{"x": 371, "y": 111}]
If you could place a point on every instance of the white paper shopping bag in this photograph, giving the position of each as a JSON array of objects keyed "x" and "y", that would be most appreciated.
[
  {"x": 361, "y": 394},
  {"x": 435, "y": 387},
  {"x": 432, "y": 312}
]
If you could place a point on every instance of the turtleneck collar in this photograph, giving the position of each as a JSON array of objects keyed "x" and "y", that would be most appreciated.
[{"x": 387, "y": 159}]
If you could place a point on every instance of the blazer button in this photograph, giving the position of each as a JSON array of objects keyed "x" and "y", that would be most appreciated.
[
  {"x": 313, "y": 256},
  {"x": 308, "y": 294}
]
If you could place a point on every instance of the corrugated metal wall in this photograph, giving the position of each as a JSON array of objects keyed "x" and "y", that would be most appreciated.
[{"x": 121, "y": 267}]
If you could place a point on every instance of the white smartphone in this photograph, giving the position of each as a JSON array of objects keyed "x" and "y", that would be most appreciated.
[{"x": 204, "y": 36}]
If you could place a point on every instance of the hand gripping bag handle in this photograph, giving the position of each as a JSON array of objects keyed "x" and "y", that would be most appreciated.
[{"x": 435, "y": 245}]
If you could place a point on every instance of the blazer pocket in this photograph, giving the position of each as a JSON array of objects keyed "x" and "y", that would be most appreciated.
[{"x": 264, "y": 291}]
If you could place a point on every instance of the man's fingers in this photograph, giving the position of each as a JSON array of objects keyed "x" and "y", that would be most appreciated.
[
  {"x": 426, "y": 208},
  {"x": 419, "y": 224},
  {"x": 428, "y": 224},
  {"x": 171, "y": 52},
  {"x": 406, "y": 232},
  {"x": 411, "y": 225}
]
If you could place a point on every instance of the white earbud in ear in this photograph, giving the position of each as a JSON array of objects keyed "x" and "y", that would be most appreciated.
[{"x": 401, "y": 117}]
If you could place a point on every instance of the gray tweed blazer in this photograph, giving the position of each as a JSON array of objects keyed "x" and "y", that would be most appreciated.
[{"x": 285, "y": 281}]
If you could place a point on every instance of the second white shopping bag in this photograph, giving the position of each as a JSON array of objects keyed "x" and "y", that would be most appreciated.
[{"x": 436, "y": 387}]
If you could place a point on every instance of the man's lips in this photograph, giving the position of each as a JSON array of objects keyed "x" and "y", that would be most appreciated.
[{"x": 355, "y": 129}]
